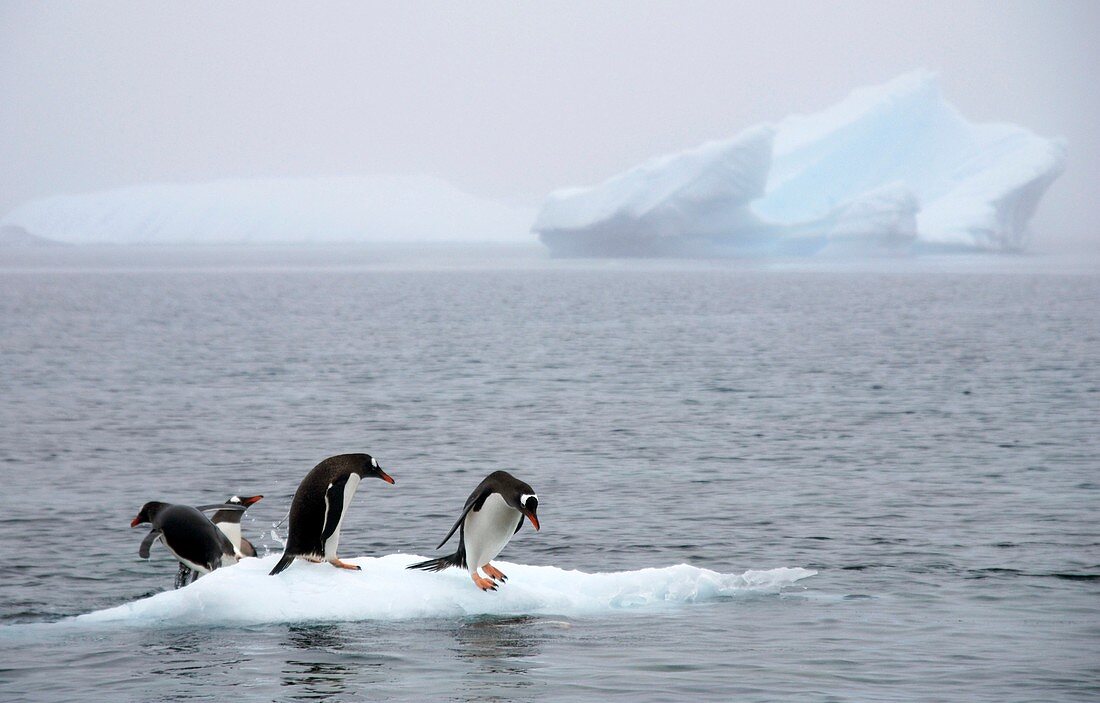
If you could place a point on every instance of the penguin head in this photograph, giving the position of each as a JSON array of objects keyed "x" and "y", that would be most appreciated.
[
  {"x": 234, "y": 516},
  {"x": 369, "y": 467},
  {"x": 522, "y": 497},
  {"x": 246, "y": 501},
  {"x": 530, "y": 503},
  {"x": 148, "y": 512}
]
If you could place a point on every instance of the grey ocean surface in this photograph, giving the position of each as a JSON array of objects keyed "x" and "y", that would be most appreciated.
[{"x": 925, "y": 435}]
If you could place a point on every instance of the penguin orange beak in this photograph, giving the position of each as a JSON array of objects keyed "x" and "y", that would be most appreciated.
[
  {"x": 385, "y": 476},
  {"x": 534, "y": 520},
  {"x": 135, "y": 522},
  {"x": 250, "y": 500}
]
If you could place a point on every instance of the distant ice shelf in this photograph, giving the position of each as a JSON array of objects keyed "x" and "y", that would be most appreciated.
[
  {"x": 324, "y": 209},
  {"x": 892, "y": 168}
]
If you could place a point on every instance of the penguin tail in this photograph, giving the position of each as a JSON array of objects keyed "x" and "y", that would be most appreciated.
[
  {"x": 283, "y": 563},
  {"x": 457, "y": 559}
]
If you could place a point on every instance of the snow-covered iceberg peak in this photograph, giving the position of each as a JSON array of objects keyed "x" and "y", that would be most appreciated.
[
  {"x": 891, "y": 167},
  {"x": 719, "y": 177},
  {"x": 663, "y": 197}
]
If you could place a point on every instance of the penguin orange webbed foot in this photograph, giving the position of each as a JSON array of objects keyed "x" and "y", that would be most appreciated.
[
  {"x": 344, "y": 565},
  {"x": 494, "y": 573},
  {"x": 483, "y": 583}
]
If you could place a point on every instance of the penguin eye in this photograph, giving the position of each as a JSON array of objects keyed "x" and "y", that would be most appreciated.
[
  {"x": 529, "y": 501},
  {"x": 374, "y": 462}
]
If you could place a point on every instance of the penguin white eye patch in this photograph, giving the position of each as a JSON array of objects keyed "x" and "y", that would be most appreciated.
[
  {"x": 374, "y": 462},
  {"x": 527, "y": 496}
]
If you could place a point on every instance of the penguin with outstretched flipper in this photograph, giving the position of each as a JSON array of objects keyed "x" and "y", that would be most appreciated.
[
  {"x": 192, "y": 539},
  {"x": 229, "y": 522},
  {"x": 492, "y": 514}
]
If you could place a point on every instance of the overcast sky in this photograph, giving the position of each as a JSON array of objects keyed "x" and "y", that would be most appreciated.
[{"x": 507, "y": 100}]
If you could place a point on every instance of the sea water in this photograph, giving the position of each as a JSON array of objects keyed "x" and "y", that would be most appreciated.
[{"x": 757, "y": 482}]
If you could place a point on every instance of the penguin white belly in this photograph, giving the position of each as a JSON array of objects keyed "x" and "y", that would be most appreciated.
[
  {"x": 486, "y": 531},
  {"x": 232, "y": 530},
  {"x": 333, "y": 541}
]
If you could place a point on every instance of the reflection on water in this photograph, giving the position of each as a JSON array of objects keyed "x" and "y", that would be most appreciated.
[
  {"x": 499, "y": 653},
  {"x": 190, "y": 658},
  {"x": 316, "y": 668},
  {"x": 322, "y": 636},
  {"x": 185, "y": 654}
]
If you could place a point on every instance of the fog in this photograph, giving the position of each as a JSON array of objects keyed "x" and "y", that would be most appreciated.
[{"x": 504, "y": 100}]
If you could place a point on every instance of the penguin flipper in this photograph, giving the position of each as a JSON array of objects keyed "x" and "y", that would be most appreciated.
[
  {"x": 334, "y": 499},
  {"x": 474, "y": 502},
  {"x": 247, "y": 549},
  {"x": 519, "y": 525},
  {"x": 283, "y": 563},
  {"x": 221, "y": 506},
  {"x": 147, "y": 543}
]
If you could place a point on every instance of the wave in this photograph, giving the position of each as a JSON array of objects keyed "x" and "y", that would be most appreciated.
[{"x": 244, "y": 594}]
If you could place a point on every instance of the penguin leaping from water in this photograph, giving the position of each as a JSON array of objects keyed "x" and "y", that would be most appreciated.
[
  {"x": 191, "y": 538},
  {"x": 492, "y": 514},
  {"x": 319, "y": 507},
  {"x": 228, "y": 520}
]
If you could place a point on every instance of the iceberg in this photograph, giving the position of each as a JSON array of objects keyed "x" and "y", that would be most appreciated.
[
  {"x": 669, "y": 204},
  {"x": 244, "y": 594},
  {"x": 323, "y": 209},
  {"x": 891, "y": 168}
]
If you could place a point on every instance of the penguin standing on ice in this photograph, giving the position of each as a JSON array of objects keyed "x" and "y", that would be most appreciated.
[
  {"x": 228, "y": 520},
  {"x": 492, "y": 514},
  {"x": 319, "y": 507},
  {"x": 191, "y": 538}
]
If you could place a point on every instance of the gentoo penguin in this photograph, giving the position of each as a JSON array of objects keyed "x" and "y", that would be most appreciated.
[
  {"x": 319, "y": 507},
  {"x": 492, "y": 514},
  {"x": 229, "y": 522},
  {"x": 191, "y": 538}
]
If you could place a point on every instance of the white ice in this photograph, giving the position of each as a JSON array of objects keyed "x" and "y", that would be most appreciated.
[
  {"x": 892, "y": 167},
  {"x": 722, "y": 176},
  {"x": 244, "y": 594},
  {"x": 336, "y": 209}
]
